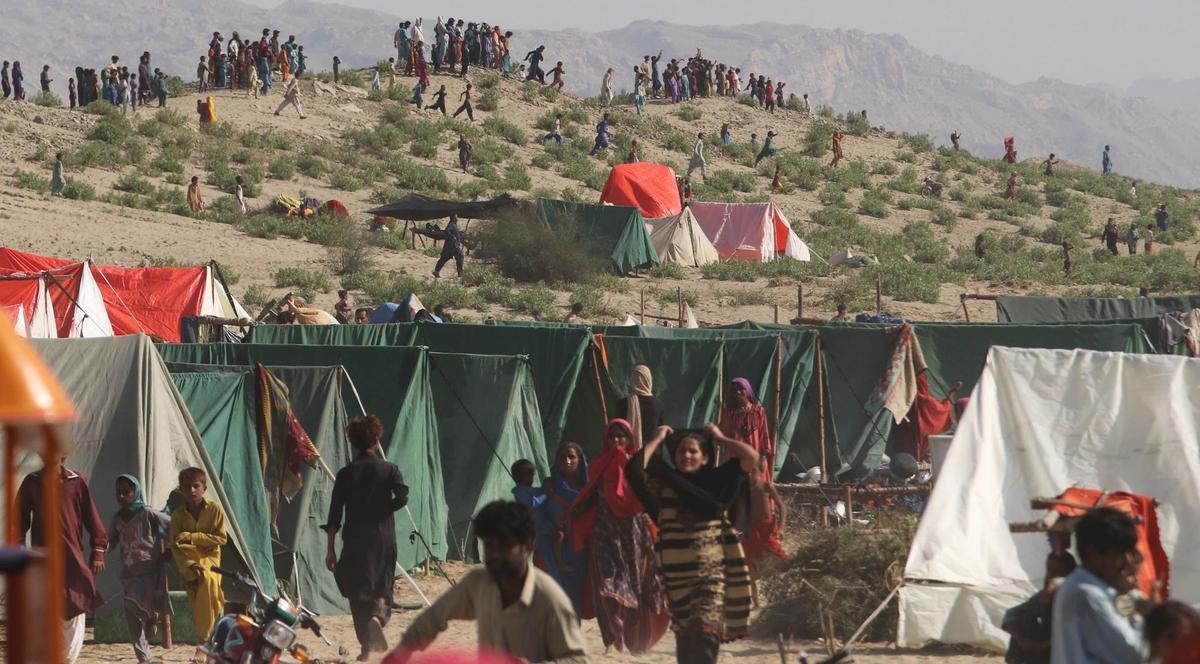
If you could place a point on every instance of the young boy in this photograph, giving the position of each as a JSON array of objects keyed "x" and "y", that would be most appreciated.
[
  {"x": 138, "y": 534},
  {"x": 524, "y": 473},
  {"x": 197, "y": 535},
  {"x": 343, "y": 307}
]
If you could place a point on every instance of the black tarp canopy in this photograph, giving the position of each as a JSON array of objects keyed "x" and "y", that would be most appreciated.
[{"x": 415, "y": 207}]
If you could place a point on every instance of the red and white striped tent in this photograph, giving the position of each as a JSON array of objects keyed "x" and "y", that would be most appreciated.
[{"x": 50, "y": 297}]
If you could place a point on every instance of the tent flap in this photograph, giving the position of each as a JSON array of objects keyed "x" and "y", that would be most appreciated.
[
  {"x": 617, "y": 233},
  {"x": 649, "y": 187}
]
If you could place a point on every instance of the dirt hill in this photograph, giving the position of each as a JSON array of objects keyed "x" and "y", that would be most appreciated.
[{"x": 126, "y": 203}]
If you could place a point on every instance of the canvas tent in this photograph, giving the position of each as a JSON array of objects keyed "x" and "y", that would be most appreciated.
[
  {"x": 612, "y": 232},
  {"x": 488, "y": 418},
  {"x": 753, "y": 232},
  {"x": 133, "y": 421},
  {"x": 1030, "y": 431},
  {"x": 649, "y": 187},
  {"x": 221, "y": 400},
  {"x": 1030, "y": 309},
  {"x": 89, "y": 300},
  {"x": 679, "y": 239},
  {"x": 392, "y": 383}
]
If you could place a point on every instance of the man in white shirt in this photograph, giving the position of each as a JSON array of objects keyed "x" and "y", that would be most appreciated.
[
  {"x": 1094, "y": 621},
  {"x": 697, "y": 160},
  {"x": 518, "y": 609}
]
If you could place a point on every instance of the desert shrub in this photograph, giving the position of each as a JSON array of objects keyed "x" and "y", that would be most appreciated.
[
  {"x": 219, "y": 130},
  {"x": 874, "y": 203},
  {"x": 676, "y": 141},
  {"x": 47, "y": 99},
  {"x": 516, "y": 178},
  {"x": 310, "y": 165},
  {"x": 944, "y": 216},
  {"x": 526, "y": 250},
  {"x": 818, "y": 139},
  {"x": 330, "y": 230},
  {"x": 424, "y": 149},
  {"x": 169, "y": 117},
  {"x": 133, "y": 184},
  {"x": 352, "y": 253},
  {"x": 255, "y": 297},
  {"x": 884, "y": 168},
  {"x": 282, "y": 168},
  {"x": 907, "y": 182},
  {"x": 593, "y": 300},
  {"x": 834, "y": 194},
  {"x": 79, "y": 190},
  {"x": 30, "y": 180},
  {"x": 688, "y": 112},
  {"x": 918, "y": 143},
  {"x": 102, "y": 108},
  {"x": 150, "y": 128},
  {"x": 725, "y": 181},
  {"x": 112, "y": 129},
  {"x": 345, "y": 182},
  {"x": 668, "y": 271},
  {"x": 299, "y": 278},
  {"x": 498, "y": 126},
  {"x": 489, "y": 100},
  {"x": 856, "y": 124}
]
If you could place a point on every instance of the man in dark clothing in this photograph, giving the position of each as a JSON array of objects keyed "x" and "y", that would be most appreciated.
[
  {"x": 5, "y": 81},
  {"x": 45, "y": 79},
  {"x": 369, "y": 491},
  {"x": 1028, "y": 623},
  {"x": 1161, "y": 217},
  {"x": 1111, "y": 236},
  {"x": 655, "y": 78},
  {"x": 451, "y": 248}
]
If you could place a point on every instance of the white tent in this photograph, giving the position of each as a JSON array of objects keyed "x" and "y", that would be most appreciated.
[
  {"x": 679, "y": 239},
  {"x": 753, "y": 232},
  {"x": 1039, "y": 422}
]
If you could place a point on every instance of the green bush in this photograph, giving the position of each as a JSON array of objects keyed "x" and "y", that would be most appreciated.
[
  {"x": 170, "y": 117},
  {"x": 593, "y": 300},
  {"x": 498, "y": 126},
  {"x": 102, "y": 108},
  {"x": 884, "y": 168},
  {"x": 310, "y": 165},
  {"x": 668, "y": 271},
  {"x": 133, "y": 184},
  {"x": 875, "y": 203},
  {"x": 918, "y": 143},
  {"x": 78, "y": 190},
  {"x": 817, "y": 139},
  {"x": 424, "y": 149},
  {"x": 299, "y": 278},
  {"x": 29, "y": 180},
  {"x": 537, "y": 301},
  {"x": 489, "y": 100},
  {"x": 112, "y": 129},
  {"x": 528, "y": 251},
  {"x": 344, "y": 182},
  {"x": 47, "y": 99},
  {"x": 689, "y": 113},
  {"x": 856, "y": 124},
  {"x": 282, "y": 168}
]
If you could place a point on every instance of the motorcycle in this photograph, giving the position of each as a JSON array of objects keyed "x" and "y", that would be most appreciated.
[{"x": 263, "y": 634}]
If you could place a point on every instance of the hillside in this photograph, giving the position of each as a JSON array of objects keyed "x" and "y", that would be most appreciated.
[
  {"x": 128, "y": 206},
  {"x": 1155, "y": 138}
]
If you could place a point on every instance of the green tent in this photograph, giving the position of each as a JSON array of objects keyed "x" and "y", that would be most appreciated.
[
  {"x": 394, "y": 384},
  {"x": 557, "y": 356},
  {"x": 315, "y": 395},
  {"x": 856, "y": 358},
  {"x": 488, "y": 418},
  {"x": 133, "y": 421},
  {"x": 1029, "y": 309},
  {"x": 612, "y": 231}
]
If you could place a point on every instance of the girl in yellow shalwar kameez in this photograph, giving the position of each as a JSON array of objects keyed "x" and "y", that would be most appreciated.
[{"x": 197, "y": 535}]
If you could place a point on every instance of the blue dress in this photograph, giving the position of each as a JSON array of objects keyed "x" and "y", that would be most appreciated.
[{"x": 558, "y": 558}]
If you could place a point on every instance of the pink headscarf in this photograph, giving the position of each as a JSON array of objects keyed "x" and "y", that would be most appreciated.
[{"x": 606, "y": 473}]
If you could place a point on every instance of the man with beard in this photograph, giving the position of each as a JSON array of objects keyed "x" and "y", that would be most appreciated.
[{"x": 518, "y": 608}]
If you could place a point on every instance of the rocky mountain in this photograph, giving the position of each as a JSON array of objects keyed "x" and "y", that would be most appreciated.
[
  {"x": 1167, "y": 93},
  {"x": 902, "y": 87}
]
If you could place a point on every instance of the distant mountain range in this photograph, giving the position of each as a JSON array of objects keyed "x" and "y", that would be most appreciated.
[{"x": 1154, "y": 128}]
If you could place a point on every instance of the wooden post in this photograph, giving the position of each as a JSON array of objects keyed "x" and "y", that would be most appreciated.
[
  {"x": 966, "y": 313},
  {"x": 850, "y": 507},
  {"x": 800, "y": 301},
  {"x": 878, "y": 294},
  {"x": 821, "y": 411},
  {"x": 778, "y": 395},
  {"x": 777, "y": 314},
  {"x": 168, "y": 635},
  {"x": 52, "y": 530},
  {"x": 679, "y": 298},
  {"x": 642, "y": 315},
  {"x": 599, "y": 385}
]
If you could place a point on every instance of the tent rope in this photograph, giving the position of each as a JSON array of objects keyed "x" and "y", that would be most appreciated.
[
  {"x": 471, "y": 417},
  {"x": 119, "y": 298}
]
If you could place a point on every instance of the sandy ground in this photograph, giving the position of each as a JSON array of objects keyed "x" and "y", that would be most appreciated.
[{"x": 461, "y": 636}]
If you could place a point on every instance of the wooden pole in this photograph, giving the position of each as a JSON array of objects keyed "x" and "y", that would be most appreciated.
[
  {"x": 850, "y": 507},
  {"x": 821, "y": 411},
  {"x": 871, "y": 618},
  {"x": 800, "y": 301},
  {"x": 599, "y": 386},
  {"x": 966, "y": 313},
  {"x": 878, "y": 294},
  {"x": 778, "y": 396},
  {"x": 52, "y": 530},
  {"x": 777, "y": 314},
  {"x": 679, "y": 298},
  {"x": 642, "y": 315}
]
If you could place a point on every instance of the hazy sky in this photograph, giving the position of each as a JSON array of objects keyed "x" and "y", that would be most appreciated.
[{"x": 1080, "y": 41}]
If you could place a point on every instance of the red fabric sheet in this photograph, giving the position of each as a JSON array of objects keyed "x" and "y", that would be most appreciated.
[
  {"x": 1155, "y": 565},
  {"x": 927, "y": 417},
  {"x": 649, "y": 187},
  {"x": 19, "y": 292},
  {"x": 148, "y": 300}
]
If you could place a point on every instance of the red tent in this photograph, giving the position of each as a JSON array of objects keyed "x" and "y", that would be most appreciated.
[
  {"x": 648, "y": 187},
  {"x": 118, "y": 300}
]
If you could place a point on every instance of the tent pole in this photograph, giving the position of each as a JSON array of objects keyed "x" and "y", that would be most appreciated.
[
  {"x": 599, "y": 387},
  {"x": 777, "y": 314},
  {"x": 878, "y": 294},
  {"x": 778, "y": 392},
  {"x": 821, "y": 410},
  {"x": 679, "y": 301},
  {"x": 642, "y": 315},
  {"x": 962, "y": 299},
  {"x": 799, "y": 300}
]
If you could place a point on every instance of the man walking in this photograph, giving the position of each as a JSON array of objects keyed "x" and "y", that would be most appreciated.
[
  {"x": 291, "y": 95},
  {"x": 451, "y": 248},
  {"x": 365, "y": 495},
  {"x": 697, "y": 160},
  {"x": 1106, "y": 162}
]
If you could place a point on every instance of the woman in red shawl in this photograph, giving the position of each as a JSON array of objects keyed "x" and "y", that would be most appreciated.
[
  {"x": 623, "y": 591},
  {"x": 422, "y": 68},
  {"x": 745, "y": 420}
]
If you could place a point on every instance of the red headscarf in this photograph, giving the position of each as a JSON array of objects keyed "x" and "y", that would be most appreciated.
[{"x": 606, "y": 473}]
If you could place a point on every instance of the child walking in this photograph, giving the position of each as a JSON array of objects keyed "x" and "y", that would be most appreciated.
[
  {"x": 139, "y": 534},
  {"x": 197, "y": 535}
]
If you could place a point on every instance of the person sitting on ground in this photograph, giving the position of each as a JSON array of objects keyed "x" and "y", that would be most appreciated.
[
  {"x": 576, "y": 314},
  {"x": 1028, "y": 623},
  {"x": 1086, "y": 625},
  {"x": 517, "y": 608},
  {"x": 932, "y": 188},
  {"x": 305, "y": 315},
  {"x": 842, "y": 315},
  {"x": 341, "y": 310}
]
